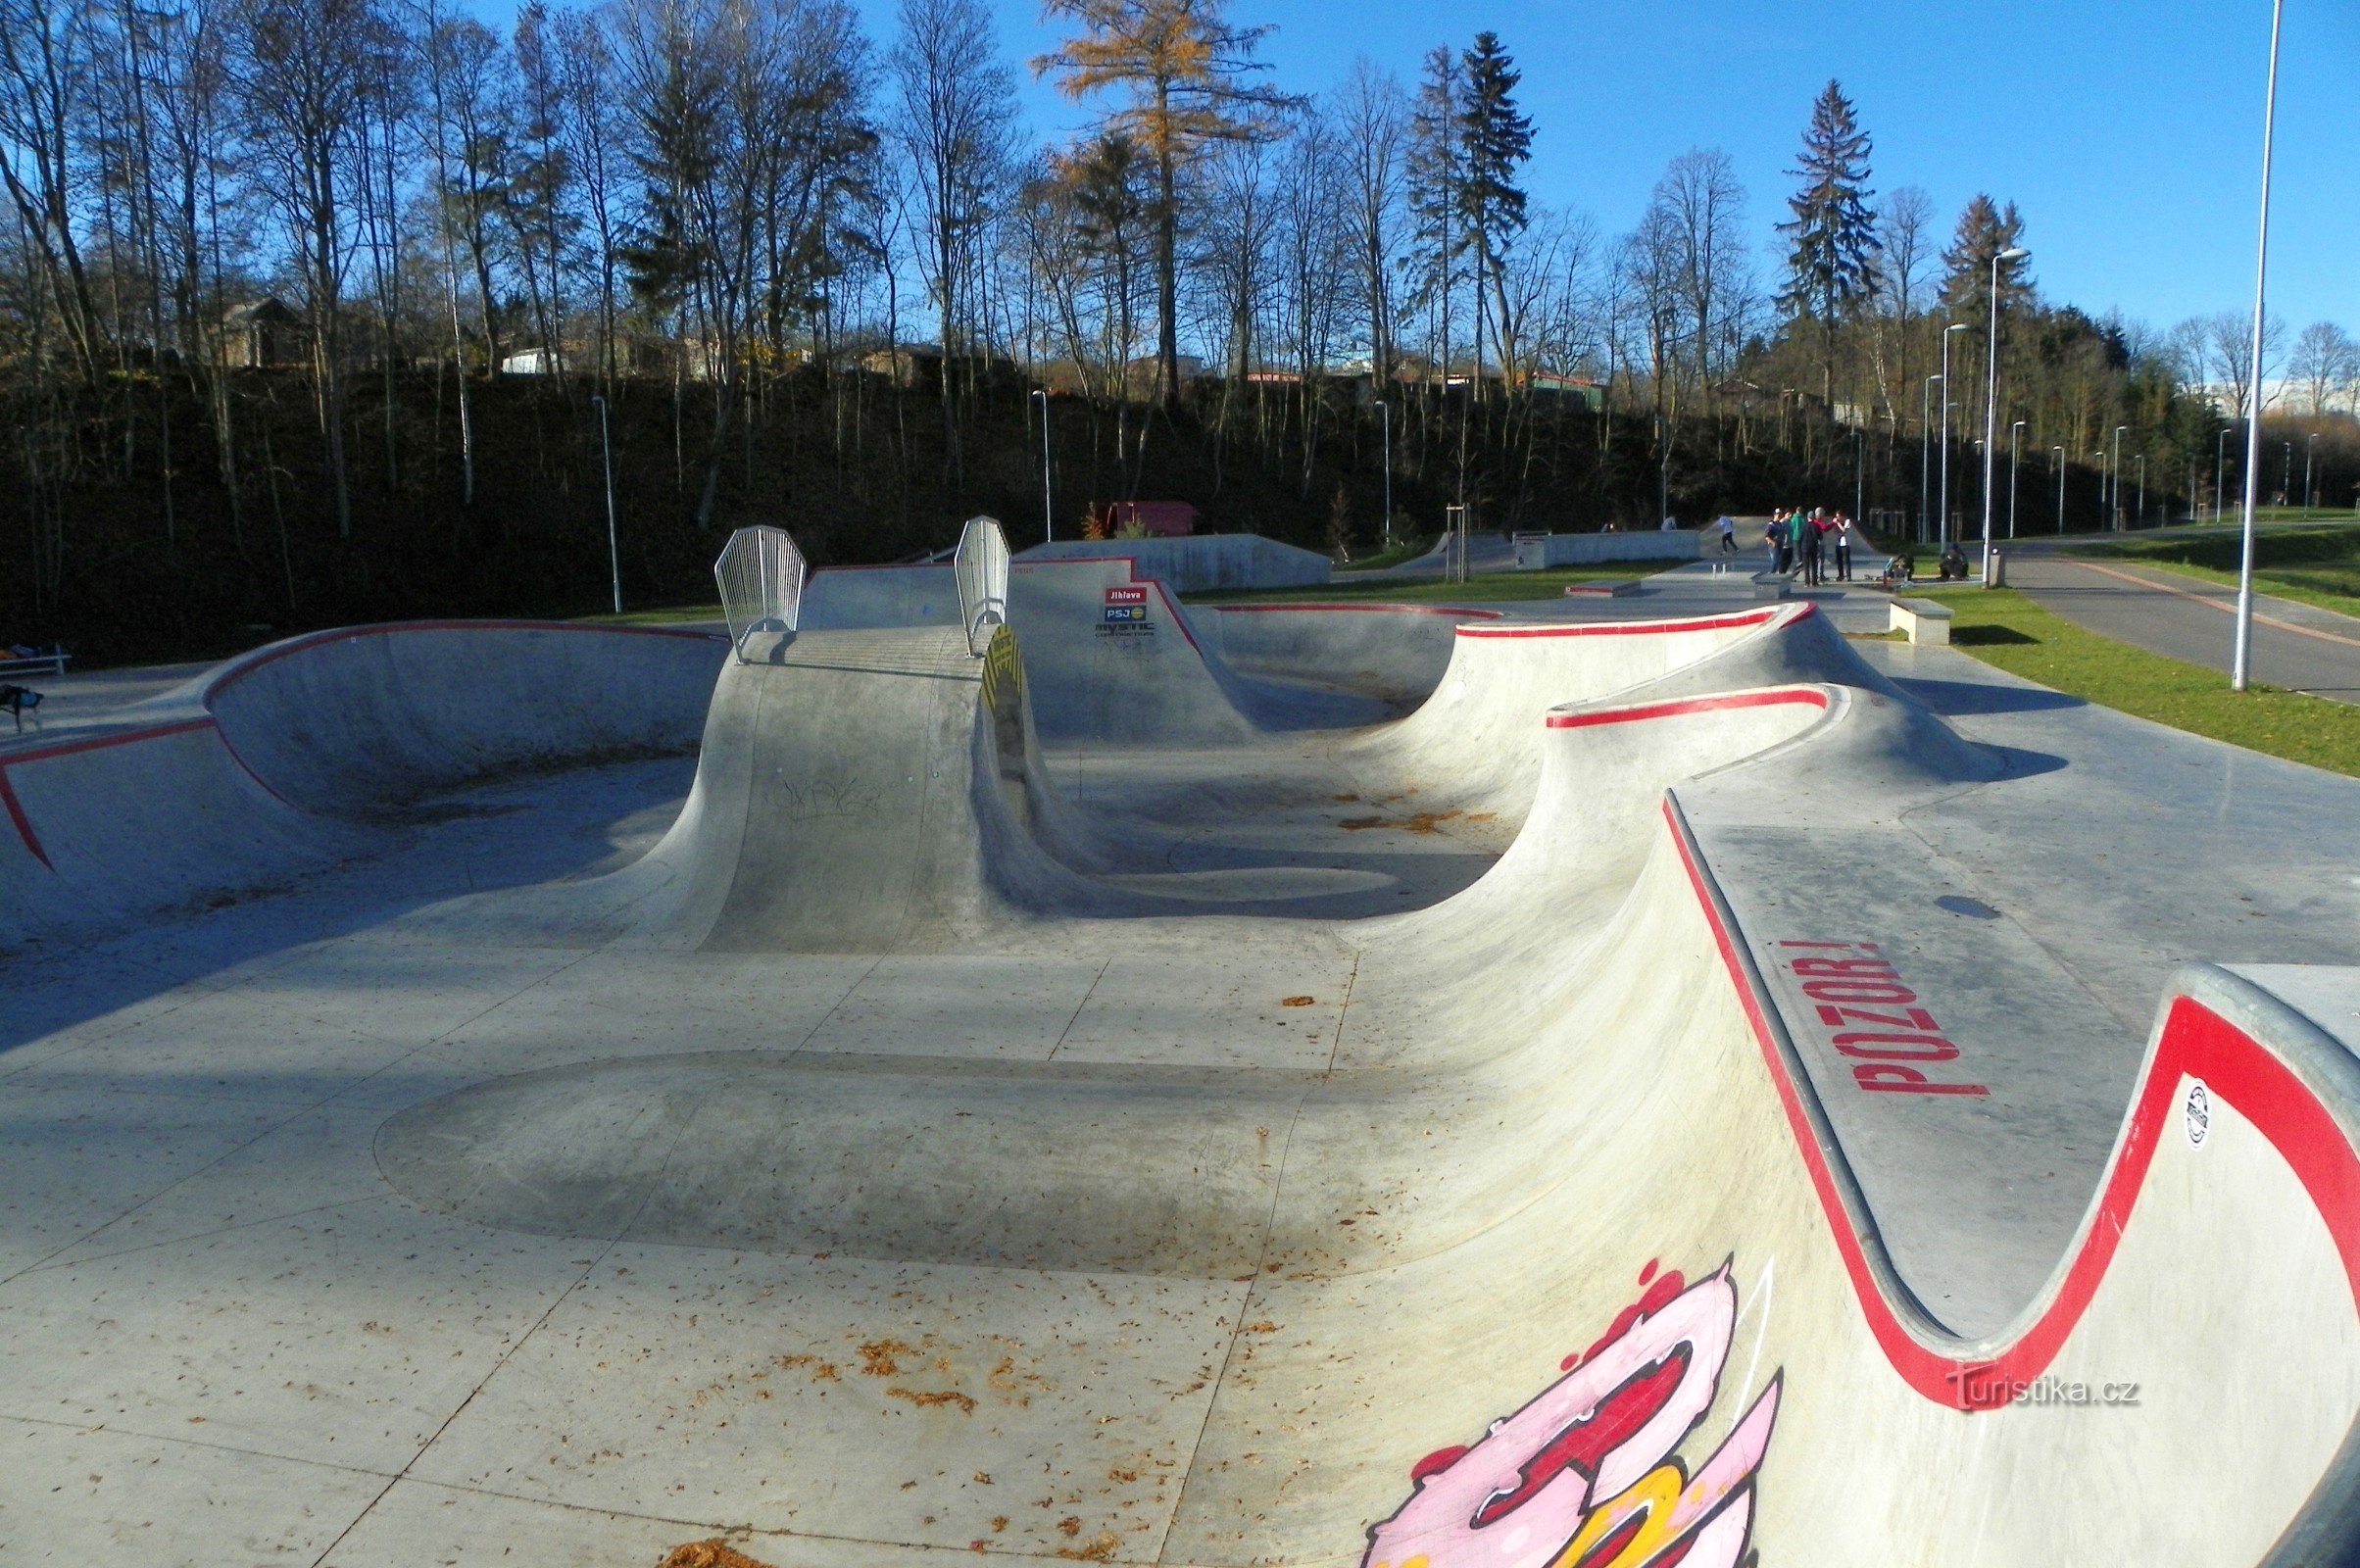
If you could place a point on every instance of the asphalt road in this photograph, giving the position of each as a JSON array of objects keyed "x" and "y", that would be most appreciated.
[{"x": 2294, "y": 646}]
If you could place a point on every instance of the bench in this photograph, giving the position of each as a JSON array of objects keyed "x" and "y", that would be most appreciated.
[
  {"x": 1923, "y": 619},
  {"x": 26, "y": 661},
  {"x": 17, "y": 699},
  {"x": 1773, "y": 584}
]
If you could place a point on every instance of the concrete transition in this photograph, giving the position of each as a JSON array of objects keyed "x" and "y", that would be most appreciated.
[{"x": 1422, "y": 1088}]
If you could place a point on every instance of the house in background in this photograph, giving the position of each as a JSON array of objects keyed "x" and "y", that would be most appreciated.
[
  {"x": 263, "y": 333},
  {"x": 1156, "y": 519}
]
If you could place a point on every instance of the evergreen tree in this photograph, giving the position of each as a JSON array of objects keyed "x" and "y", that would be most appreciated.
[
  {"x": 1436, "y": 172},
  {"x": 1831, "y": 265},
  {"x": 1496, "y": 141},
  {"x": 1984, "y": 229}
]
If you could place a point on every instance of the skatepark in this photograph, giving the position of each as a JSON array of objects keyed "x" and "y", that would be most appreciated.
[{"x": 991, "y": 1058}]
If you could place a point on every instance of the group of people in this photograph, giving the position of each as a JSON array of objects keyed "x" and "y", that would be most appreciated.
[{"x": 1801, "y": 540}]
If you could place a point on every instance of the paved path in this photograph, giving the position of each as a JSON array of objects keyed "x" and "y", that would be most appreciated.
[{"x": 2187, "y": 618}]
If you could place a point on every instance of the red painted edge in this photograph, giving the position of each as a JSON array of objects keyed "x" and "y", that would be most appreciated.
[
  {"x": 14, "y": 807},
  {"x": 1689, "y": 704},
  {"x": 23, "y": 823},
  {"x": 1644, "y": 628},
  {"x": 1363, "y": 609},
  {"x": 99, "y": 743},
  {"x": 238, "y": 672},
  {"x": 2195, "y": 1042}
]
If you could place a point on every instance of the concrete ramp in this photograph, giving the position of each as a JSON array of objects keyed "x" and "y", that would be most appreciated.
[
  {"x": 288, "y": 759},
  {"x": 858, "y": 791},
  {"x": 1559, "y": 1259}
]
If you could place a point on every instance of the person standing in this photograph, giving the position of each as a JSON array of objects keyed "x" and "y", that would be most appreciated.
[
  {"x": 1807, "y": 545},
  {"x": 1843, "y": 548}
]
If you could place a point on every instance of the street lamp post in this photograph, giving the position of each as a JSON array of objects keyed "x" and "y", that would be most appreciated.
[
  {"x": 2060, "y": 456},
  {"x": 1990, "y": 403},
  {"x": 1926, "y": 445},
  {"x": 2242, "y": 655},
  {"x": 1049, "y": 521},
  {"x": 2309, "y": 446},
  {"x": 2015, "y": 439},
  {"x": 2219, "y": 456},
  {"x": 2114, "y": 508},
  {"x": 1384, "y": 426},
  {"x": 606, "y": 450},
  {"x": 1859, "y": 473},
  {"x": 2142, "y": 489},
  {"x": 1942, "y": 532}
]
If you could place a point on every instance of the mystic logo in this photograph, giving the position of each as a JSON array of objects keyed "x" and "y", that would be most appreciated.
[
  {"x": 2195, "y": 1113},
  {"x": 1586, "y": 1475}
]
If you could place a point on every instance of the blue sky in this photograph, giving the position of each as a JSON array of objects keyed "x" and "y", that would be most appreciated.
[{"x": 2129, "y": 134}]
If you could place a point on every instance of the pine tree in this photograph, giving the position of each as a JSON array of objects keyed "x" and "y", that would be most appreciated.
[
  {"x": 1984, "y": 229},
  {"x": 1436, "y": 172},
  {"x": 1831, "y": 265},
  {"x": 1497, "y": 140}
]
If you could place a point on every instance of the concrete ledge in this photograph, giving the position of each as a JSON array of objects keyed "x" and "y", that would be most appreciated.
[
  {"x": 1773, "y": 584},
  {"x": 1921, "y": 619},
  {"x": 1615, "y": 587}
]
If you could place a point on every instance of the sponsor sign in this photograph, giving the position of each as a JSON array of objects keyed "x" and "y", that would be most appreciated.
[{"x": 1126, "y": 614}]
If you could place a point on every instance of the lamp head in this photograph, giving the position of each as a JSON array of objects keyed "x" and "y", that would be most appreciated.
[
  {"x": 2014, "y": 253},
  {"x": 1956, "y": 326}
]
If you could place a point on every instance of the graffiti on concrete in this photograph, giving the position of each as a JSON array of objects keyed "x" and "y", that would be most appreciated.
[{"x": 1589, "y": 1475}]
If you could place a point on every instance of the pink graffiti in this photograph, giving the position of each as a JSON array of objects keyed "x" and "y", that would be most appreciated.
[{"x": 1586, "y": 1475}]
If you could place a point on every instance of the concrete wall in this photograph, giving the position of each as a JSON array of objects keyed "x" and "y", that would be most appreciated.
[
  {"x": 1600, "y": 549},
  {"x": 1204, "y": 560}
]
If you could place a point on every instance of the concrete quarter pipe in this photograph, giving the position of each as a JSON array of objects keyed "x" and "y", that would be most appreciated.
[{"x": 1544, "y": 1191}]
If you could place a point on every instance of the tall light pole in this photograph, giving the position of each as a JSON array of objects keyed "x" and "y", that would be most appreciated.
[
  {"x": 1926, "y": 445},
  {"x": 2219, "y": 456},
  {"x": 2060, "y": 454},
  {"x": 2309, "y": 447},
  {"x": 606, "y": 450},
  {"x": 2143, "y": 487},
  {"x": 2241, "y": 657},
  {"x": 1991, "y": 404},
  {"x": 1385, "y": 424},
  {"x": 2115, "y": 505},
  {"x": 1859, "y": 474},
  {"x": 1943, "y": 538},
  {"x": 2286, "y": 475},
  {"x": 1049, "y": 521},
  {"x": 2015, "y": 438}
]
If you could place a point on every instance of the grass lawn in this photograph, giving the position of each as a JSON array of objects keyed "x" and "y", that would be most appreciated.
[
  {"x": 2312, "y": 565},
  {"x": 1484, "y": 588},
  {"x": 2003, "y": 629}
]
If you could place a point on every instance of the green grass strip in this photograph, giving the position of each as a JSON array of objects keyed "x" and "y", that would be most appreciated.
[{"x": 2008, "y": 631}]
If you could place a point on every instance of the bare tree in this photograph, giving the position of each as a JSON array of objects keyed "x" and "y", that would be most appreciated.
[
  {"x": 1374, "y": 125},
  {"x": 954, "y": 121},
  {"x": 309, "y": 73},
  {"x": 2323, "y": 362}
]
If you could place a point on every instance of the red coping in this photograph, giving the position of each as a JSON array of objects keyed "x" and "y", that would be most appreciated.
[
  {"x": 1361, "y": 609},
  {"x": 1643, "y": 629},
  {"x": 2196, "y": 1042},
  {"x": 1689, "y": 704}
]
